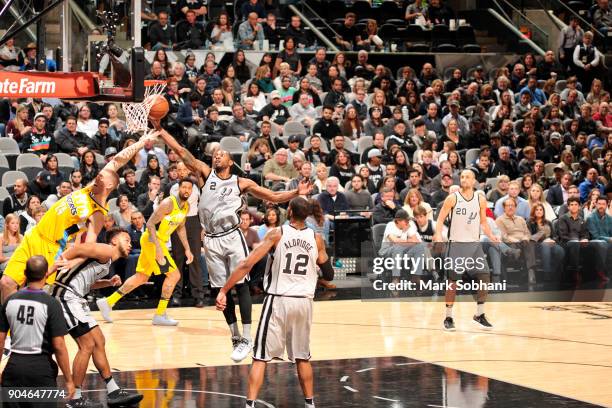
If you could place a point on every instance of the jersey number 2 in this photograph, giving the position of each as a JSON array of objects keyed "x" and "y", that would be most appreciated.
[
  {"x": 25, "y": 315},
  {"x": 299, "y": 267}
]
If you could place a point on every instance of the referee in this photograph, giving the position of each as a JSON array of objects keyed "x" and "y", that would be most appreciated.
[{"x": 37, "y": 326}]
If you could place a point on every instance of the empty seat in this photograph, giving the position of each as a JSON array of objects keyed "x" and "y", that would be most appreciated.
[
  {"x": 293, "y": 128},
  {"x": 3, "y": 194},
  {"x": 138, "y": 174},
  {"x": 446, "y": 47},
  {"x": 64, "y": 162},
  {"x": 471, "y": 48},
  {"x": 388, "y": 32},
  {"x": 9, "y": 178},
  {"x": 30, "y": 164},
  {"x": 4, "y": 165},
  {"x": 9, "y": 148}
]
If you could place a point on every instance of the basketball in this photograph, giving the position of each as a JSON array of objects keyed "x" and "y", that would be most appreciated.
[{"x": 159, "y": 107}]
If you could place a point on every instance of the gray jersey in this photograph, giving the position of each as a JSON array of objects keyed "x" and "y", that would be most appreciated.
[
  {"x": 77, "y": 281},
  {"x": 221, "y": 204},
  {"x": 465, "y": 219},
  {"x": 292, "y": 269}
]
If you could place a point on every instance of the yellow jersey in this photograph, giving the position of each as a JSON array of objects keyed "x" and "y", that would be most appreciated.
[
  {"x": 68, "y": 216},
  {"x": 170, "y": 222}
]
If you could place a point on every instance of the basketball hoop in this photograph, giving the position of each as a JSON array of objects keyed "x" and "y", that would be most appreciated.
[{"x": 137, "y": 114}]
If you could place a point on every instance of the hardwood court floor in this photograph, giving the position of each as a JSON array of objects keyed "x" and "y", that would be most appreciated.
[{"x": 559, "y": 348}]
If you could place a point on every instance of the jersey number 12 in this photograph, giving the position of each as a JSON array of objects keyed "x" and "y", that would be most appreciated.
[{"x": 300, "y": 265}]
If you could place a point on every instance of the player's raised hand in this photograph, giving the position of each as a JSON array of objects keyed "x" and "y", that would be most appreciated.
[
  {"x": 304, "y": 187},
  {"x": 221, "y": 301},
  {"x": 156, "y": 123},
  {"x": 151, "y": 135}
]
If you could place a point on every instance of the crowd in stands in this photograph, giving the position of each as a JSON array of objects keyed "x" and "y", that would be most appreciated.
[{"x": 537, "y": 134}]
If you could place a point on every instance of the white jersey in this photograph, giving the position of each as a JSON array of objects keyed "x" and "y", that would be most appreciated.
[
  {"x": 76, "y": 283},
  {"x": 221, "y": 204},
  {"x": 292, "y": 269},
  {"x": 465, "y": 219}
]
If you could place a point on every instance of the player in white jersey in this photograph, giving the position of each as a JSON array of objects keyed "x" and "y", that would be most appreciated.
[
  {"x": 81, "y": 269},
  {"x": 290, "y": 283},
  {"x": 468, "y": 214},
  {"x": 221, "y": 203}
]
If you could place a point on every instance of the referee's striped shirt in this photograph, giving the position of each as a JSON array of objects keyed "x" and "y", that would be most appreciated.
[{"x": 34, "y": 318}]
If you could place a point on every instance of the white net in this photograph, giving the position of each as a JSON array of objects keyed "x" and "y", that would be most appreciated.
[{"x": 137, "y": 113}]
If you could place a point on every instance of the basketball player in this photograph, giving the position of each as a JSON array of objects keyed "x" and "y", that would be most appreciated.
[
  {"x": 81, "y": 269},
  {"x": 290, "y": 282},
  {"x": 81, "y": 211},
  {"x": 468, "y": 213},
  {"x": 38, "y": 328},
  {"x": 220, "y": 207},
  {"x": 154, "y": 256}
]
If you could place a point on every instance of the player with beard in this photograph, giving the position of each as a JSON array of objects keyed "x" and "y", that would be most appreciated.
[
  {"x": 154, "y": 256},
  {"x": 83, "y": 268},
  {"x": 222, "y": 201}
]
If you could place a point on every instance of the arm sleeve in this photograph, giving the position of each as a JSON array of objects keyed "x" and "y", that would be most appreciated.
[
  {"x": 56, "y": 323},
  {"x": 4, "y": 323},
  {"x": 327, "y": 270}
]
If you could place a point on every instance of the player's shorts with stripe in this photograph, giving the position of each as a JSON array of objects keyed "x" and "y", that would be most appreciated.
[
  {"x": 223, "y": 254},
  {"x": 78, "y": 315},
  {"x": 147, "y": 263},
  {"x": 468, "y": 259},
  {"x": 32, "y": 244},
  {"x": 284, "y": 324}
]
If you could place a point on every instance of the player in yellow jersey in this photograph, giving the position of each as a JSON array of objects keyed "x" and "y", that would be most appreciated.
[
  {"x": 80, "y": 211},
  {"x": 154, "y": 256}
]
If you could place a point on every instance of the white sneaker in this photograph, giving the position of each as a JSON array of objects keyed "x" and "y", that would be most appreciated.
[
  {"x": 105, "y": 309},
  {"x": 164, "y": 320},
  {"x": 242, "y": 350}
]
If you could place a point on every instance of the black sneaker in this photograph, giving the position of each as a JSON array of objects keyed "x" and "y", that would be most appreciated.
[
  {"x": 449, "y": 324},
  {"x": 483, "y": 322},
  {"x": 83, "y": 403},
  {"x": 123, "y": 397}
]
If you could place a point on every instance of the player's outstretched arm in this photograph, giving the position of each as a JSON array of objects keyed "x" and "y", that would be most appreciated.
[
  {"x": 126, "y": 154},
  {"x": 323, "y": 260},
  {"x": 190, "y": 161},
  {"x": 94, "y": 226},
  {"x": 447, "y": 207},
  {"x": 245, "y": 266},
  {"x": 100, "y": 252},
  {"x": 249, "y": 186}
]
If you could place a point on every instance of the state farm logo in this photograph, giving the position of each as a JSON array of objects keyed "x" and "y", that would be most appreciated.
[{"x": 25, "y": 86}]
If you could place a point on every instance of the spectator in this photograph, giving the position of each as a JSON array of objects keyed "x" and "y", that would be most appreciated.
[
  {"x": 549, "y": 68},
  {"x": 297, "y": 32},
  {"x": 332, "y": 201},
  {"x": 50, "y": 164},
  {"x": 303, "y": 111},
  {"x": 9, "y": 55},
  {"x": 241, "y": 125},
  {"x": 11, "y": 238},
  {"x": 76, "y": 179},
  {"x": 569, "y": 38},
  {"x": 438, "y": 13},
  {"x": 438, "y": 197},
  {"x": 516, "y": 234},
  {"x": 122, "y": 216},
  {"x": 278, "y": 170},
  {"x": 102, "y": 139},
  {"x": 38, "y": 140},
  {"x": 248, "y": 32},
  {"x": 130, "y": 187},
  {"x": 27, "y": 218},
  {"x": 335, "y": 96},
  {"x": 19, "y": 125},
  {"x": 89, "y": 167},
  {"x": 85, "y": 123},
  {"x": 505, "y": 165},
  {"x": 191, "y": 113},
  {"x": 149, "y": 149},
  {"x": 586, "y": 60},
  {"x": 72, "y": 141},
  {"x": 358, "y": 197},
  {"x": 253, "y": 6},
  {"x": 386, "y": 209},
  {"x": 193, "y": 6},
  {"x": 151, "y": 198},
  {"x": 573, "y": 234},
  {"x": 348, "y": 35},
  {"x": 521, "y": 205},
  {"x": 290, "y": 56},
  {"x": 599, "y": 224},
  {"x": 161, "y": 34},
  {"x": 63, "y": 189},
  {"x": 413, "y": 200},
  {"x": 272, "y": 32},
  {"x": 275, "y": 112},
  {"x": 591, "y": 182},
  {"x": 400, "y": 240},
  {"x": 326, "y": 127},
  {"x": 602, "y": 17},
  {"x": 537, "y": 95}
]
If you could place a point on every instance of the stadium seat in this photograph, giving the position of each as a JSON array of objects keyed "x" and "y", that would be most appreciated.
[
  {"x": 4, "y": 193},
  {"x": 30, "y": 164},
  {"x": 389, "y": 10},
  {"x": 388, "y": 32},
  {"x": 10, "y": 148},
  {"x": 112, "y": 204},
  {"x": 471, "y": 48},
  {"x": 243, "y": 159},
  {"x": 9, "y": 178},
  {"x": 138, "y": 174},
  {"x": 64, "y": 162},
  {"x": 471, "y": 155},
  {"x": 446, "y": 47},
  {"x": 491, "y": 183},
  {"x": 4, "y": 165},
  {"x": 560, "y": 85},
  {"x": 233, "y": 145},
  {"x": 549, "y": 169},
  {"x": 378, "y": 232},
  {"x": 363, "y": 9},
  {"x": 293, "y": 128},
  {"x": 349, "y": 145},
  {"x": 100, "y": 160},
  {"x": 363, "y": 143}
]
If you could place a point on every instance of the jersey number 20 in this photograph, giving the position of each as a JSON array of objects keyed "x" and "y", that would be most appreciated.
[
  {"x": 299, "y": 267},
  {"x": 25, "y": 315}
]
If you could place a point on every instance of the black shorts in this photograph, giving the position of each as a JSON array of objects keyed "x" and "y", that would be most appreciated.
[
  {"x": 30, "y": 370},
  {"x": 79, "y": 330}
]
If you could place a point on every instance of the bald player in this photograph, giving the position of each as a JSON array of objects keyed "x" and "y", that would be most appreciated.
[
  {"x": 222, "y": 201},
  {"x": 81, "y": 211},
  {"x": 468, "y": 214}
]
